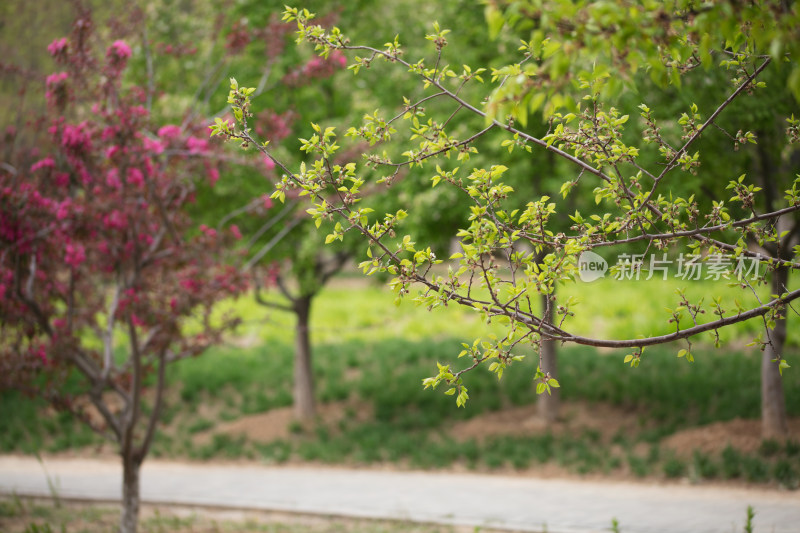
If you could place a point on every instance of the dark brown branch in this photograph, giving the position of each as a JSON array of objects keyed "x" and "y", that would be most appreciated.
[{"x": 144, "y": 447}]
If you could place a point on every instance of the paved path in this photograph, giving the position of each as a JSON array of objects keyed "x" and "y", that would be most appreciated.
[{"x": 505, "y": 502}]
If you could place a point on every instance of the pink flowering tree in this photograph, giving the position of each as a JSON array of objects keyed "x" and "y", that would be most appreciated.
[{"x": 103, "y": 276}]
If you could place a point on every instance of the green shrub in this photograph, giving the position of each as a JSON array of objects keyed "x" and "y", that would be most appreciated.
[
  {"x": 704, "y": 465},
  {"x": 785, "y": 472},
  {"x": 731, "y": 463},
  {"x": 755, "y": 469},
  {"x": 674, "y": 468}
]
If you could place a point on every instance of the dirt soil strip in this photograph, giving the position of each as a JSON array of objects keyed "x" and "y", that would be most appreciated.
[{"x": 500, "y": 502}]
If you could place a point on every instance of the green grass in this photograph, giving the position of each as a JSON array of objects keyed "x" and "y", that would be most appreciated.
[
  {"x": 606, "y": 308},
  {"x": 408, "y": 425}
]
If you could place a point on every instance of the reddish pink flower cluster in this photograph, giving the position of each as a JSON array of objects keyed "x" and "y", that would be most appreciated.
[
  {"x": 117, "y": 55},
  {"x": 47, "y": 163},
  {"x": 56, "y": 90},
  {"x": 76, "y": 139},
  {"x": 169, "y": 132},
  {"x": 316, "y": 68},
  {"x": 213, "y": 174},
  {"x": 274, "y": 126},
  {"x": 238, "y": 37},
  {"x": 135, "y": 177},
  {"x": 74, "y": 255},
  {"x": 210, "y": 232},
  {"x": 197, "y": 145},
  {"x": 155, "y": 146},
  {"x": 269, "y": 163},
  {"x": 58, "y": 48},
  {"x": 119, "y": 49}
]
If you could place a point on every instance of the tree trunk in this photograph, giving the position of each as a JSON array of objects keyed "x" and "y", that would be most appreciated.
[
  {"x": 304, "y": 408},
  {"x": 130, "y": 494},
  {"x": 773, "y": 405},
  {"x": 548, "y": 404}
]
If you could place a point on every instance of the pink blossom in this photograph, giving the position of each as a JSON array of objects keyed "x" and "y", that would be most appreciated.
[
  {"x": 191, "y": 285},
  {"x": 62, "y": 179},
  {"x": 119, "y": 49},
  {"x": 64, "y": 209},
  {"x": 56, "y": 79},
  {"x": 56, "y": 92},
  {"x": 138, "y": 111},
  {"x": 211, "y": 232},
  {"x": 136, "y": 320},
  {"x": 338, "y": 57},
  {"x": 196, "y": 145},
  {"x": 111, "y": 151},
  {"x": 274, "y": 126},
  {"x": 135, "y": 177},
  {"x": 41, "y": 353},
  {"x": 108, "y": 133},
  {"x": 269, "y": 163},
  {"x": 76, "y": 138},
  {"x": 74, "y": 255},
  {"x": 170, "y": 131},
  {"x": 213, "y": 175},
  {"x": 267, "y": 201},
  {"x": 47, "y": 162},
  {"x": 115, "y": 220},
  {"x": 83, "y": 172},
  {"x": 155, "y": 146},
  {"x": 58, "y": 46},
  {"x": 235, "y": 231},
  {"x": 112, "y": 179},
  {"x": 131, "y": 293},
  {"x": 59, "y": 323}
]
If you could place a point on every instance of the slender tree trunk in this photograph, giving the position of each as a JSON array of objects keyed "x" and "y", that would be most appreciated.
[
  {"x": 773, "y": 405},
  {"x": 130, "y": 494},
  {"x": 304, "y": 408},
  {"x": 549, "y": 404}
]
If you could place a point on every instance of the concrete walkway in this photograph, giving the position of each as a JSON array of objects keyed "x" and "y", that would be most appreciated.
[{"x": 515, "y": 503}]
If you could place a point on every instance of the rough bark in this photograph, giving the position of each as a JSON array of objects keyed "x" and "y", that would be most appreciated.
[
  {"x": 773, "y": 405},
  {"x": 304, "y": 405},
  {"x": 130, "y": 494},
  {"x": 548, "y": 404}
]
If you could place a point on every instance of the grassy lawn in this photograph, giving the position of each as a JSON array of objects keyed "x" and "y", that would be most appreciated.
[{"x": 371, "y": 356}]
